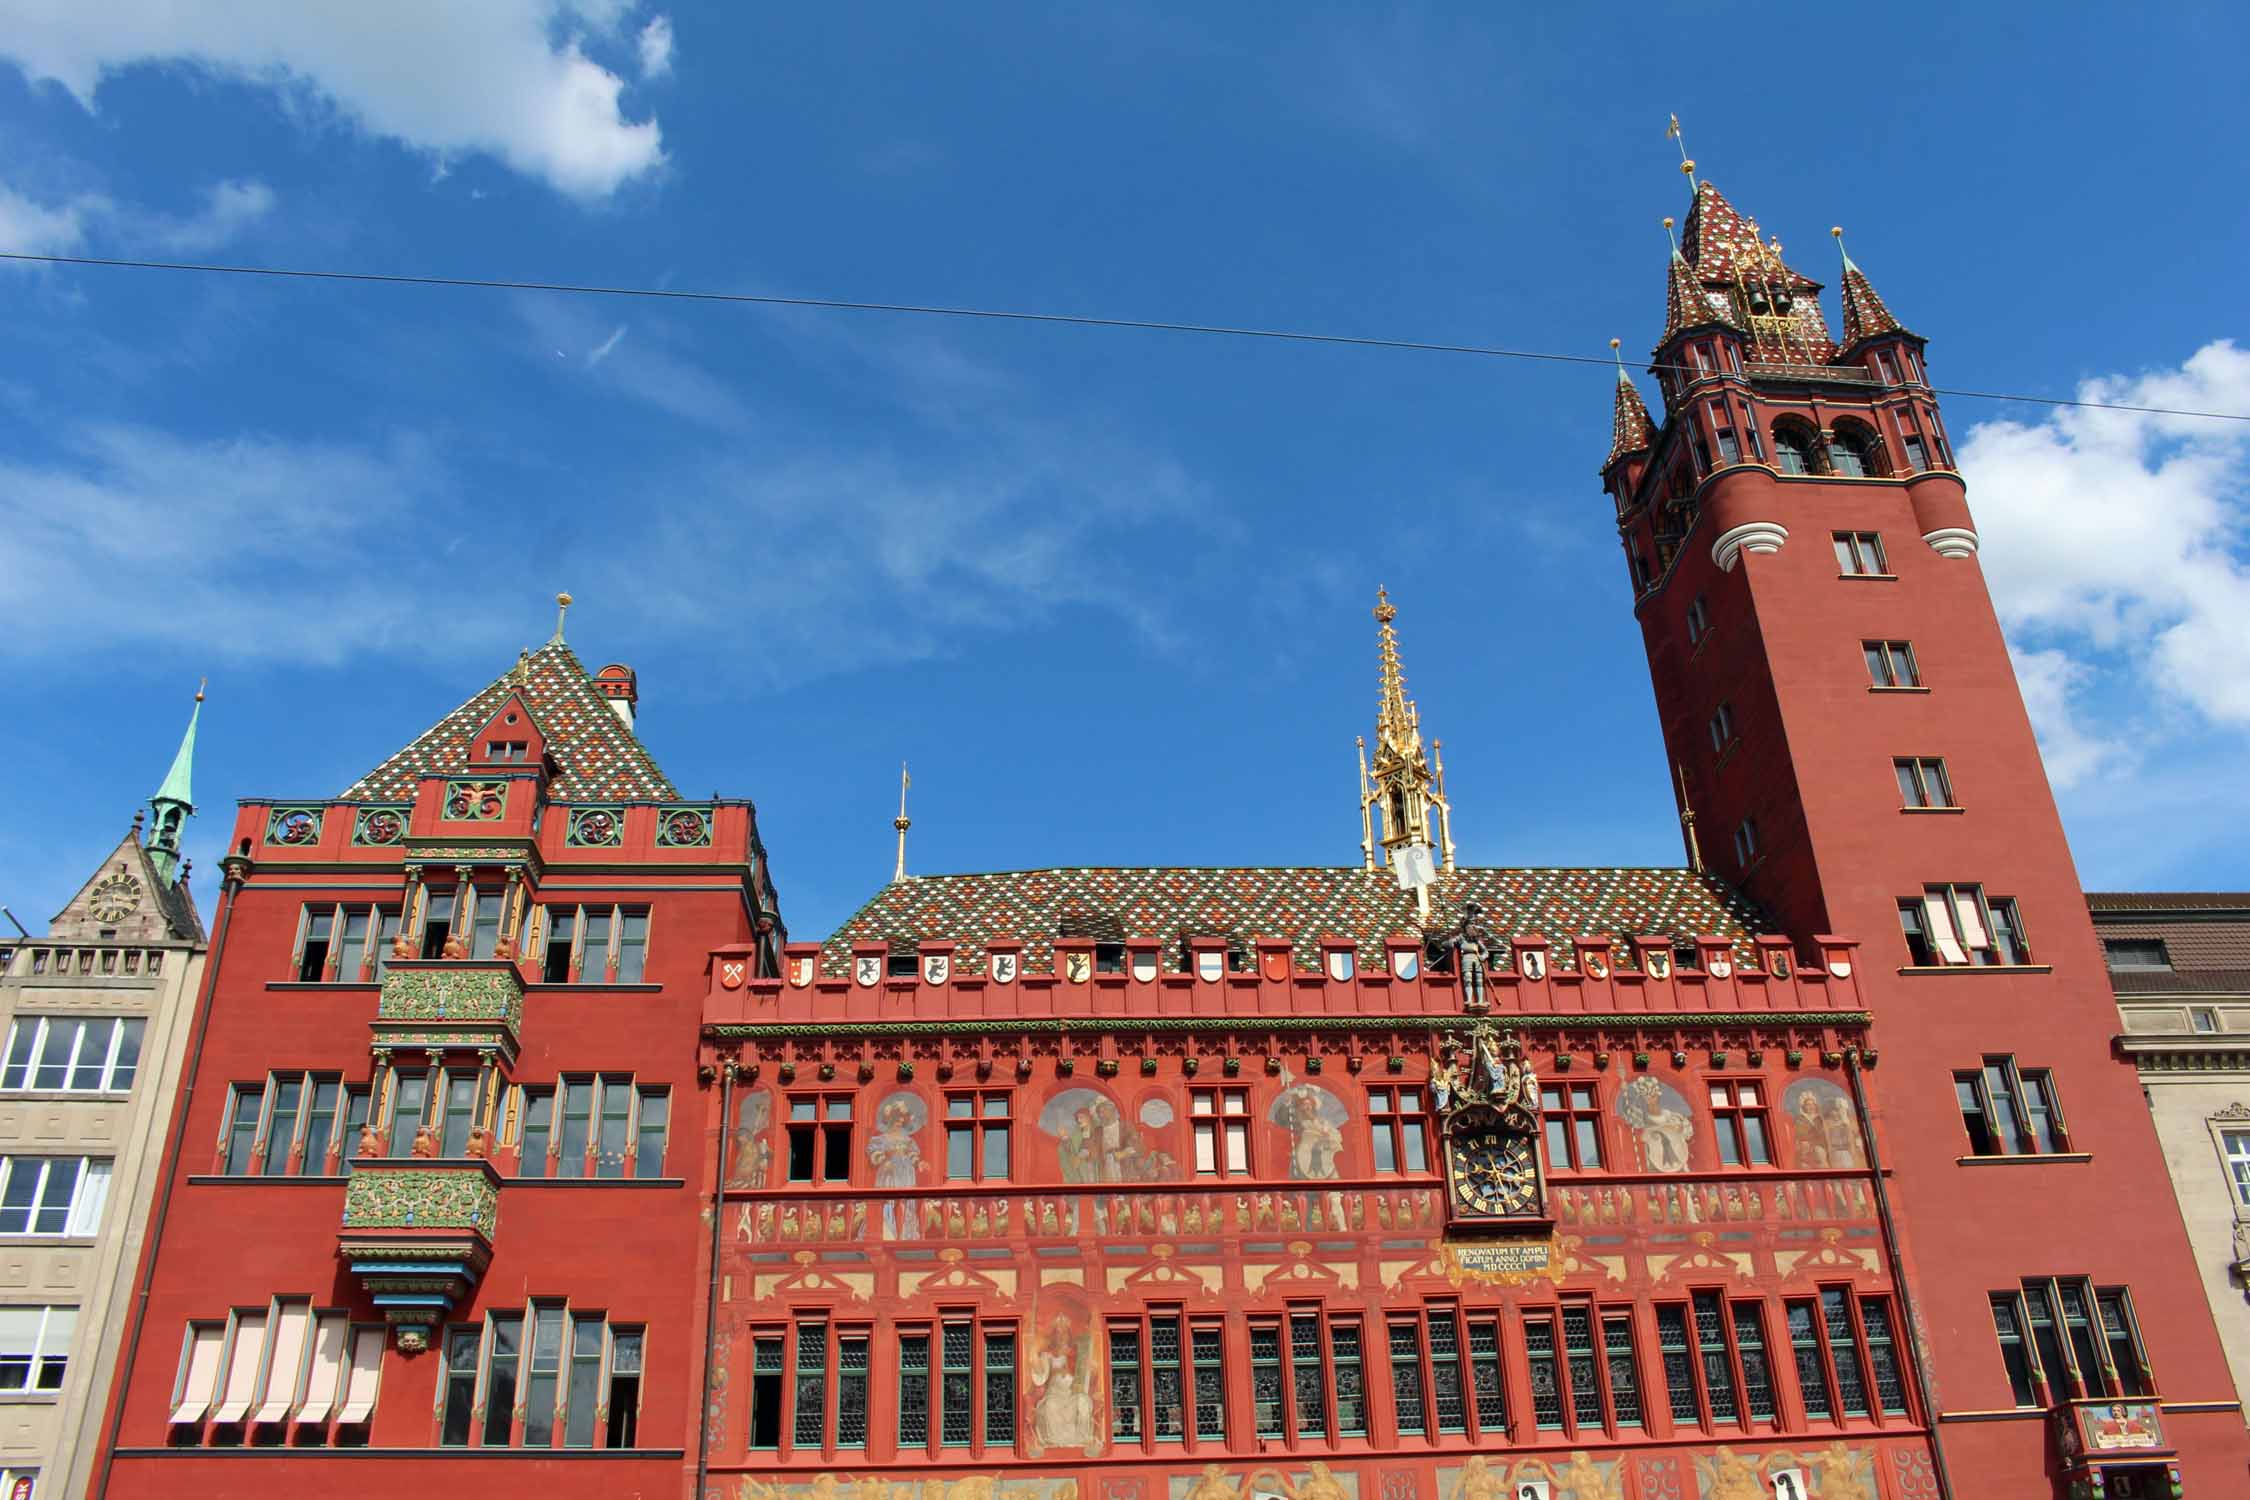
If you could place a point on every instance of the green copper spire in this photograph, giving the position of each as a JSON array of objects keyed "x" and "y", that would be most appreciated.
[{"x": 174, "y": 802}]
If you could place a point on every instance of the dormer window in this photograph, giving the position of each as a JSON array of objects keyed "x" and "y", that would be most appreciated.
[
  {"x": 505, "y": 749},
  {"x": 1109, "y": 958}
]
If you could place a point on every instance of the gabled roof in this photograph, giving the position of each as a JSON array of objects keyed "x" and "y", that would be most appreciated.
[
  {"x": 1865, "y": 316},
  {"x": 156, "y": 909},
  {"x": 1300, "y": 903},
  {"x": 601, "y": 761},
  {"x": 1630, "y": 429}
]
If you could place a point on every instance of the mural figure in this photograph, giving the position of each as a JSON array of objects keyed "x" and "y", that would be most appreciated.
[
  {"x": 1320, "y": 1485},
  {"x": 1065, "y": 1380},
  {"x": 1583, "y": 1479},
  {"x": 1844, "y": 1474},
  {"x": 1824, "y": 1125},
  {"x": 1211, "y": 1484},
  {"x": 1314, "y": 1119},
  {"x": 1096, "y": 1143},
  {"x": 1728, "y": 1476},
  {"x": 897, "y": 1160},
  {"x": 1660, "y": 1121},
  {"x": 1477, "y": 1481},
  {"x": 751, "y": 1160}
]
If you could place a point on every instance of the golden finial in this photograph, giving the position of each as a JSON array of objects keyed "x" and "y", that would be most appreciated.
[
  {"x": 1687, "y": 163},
  {"x": 562, "y": 610},
  {"x": 1687, "y": 822},
  {"x": 902, "y": 822},
  {"x": 1668, "y": 222},
  {"x": 1385, "y": 611},
  {"x": 200, "y": 684}
]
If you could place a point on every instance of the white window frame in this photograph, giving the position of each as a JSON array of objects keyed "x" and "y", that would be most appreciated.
[
  {"x": 48, "y": 1343},
  {"x": 2230, "y": 1133},
  {"x": 20, "y": 1078},
  {"x": 534, "y": 947},
  {"x": 88, "y": 1194}
]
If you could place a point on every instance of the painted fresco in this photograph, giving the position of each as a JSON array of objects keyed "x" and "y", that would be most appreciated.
[
  {"x": 1315, "y": 1120},
  {"x": 896, "y": 1154},
  {"x": 1663, "y": 1126},
  {"x": 1823, "y": 1126},
  {"x": 1577, "y": 1477},
  {"x": 1097, "y": 1141},
  {"x": 993, "y": 1486},
  {"x": 1264, "y": 1482},
  {"x": 750, "y": 1161},
  {"x": 1066, "y": 1385},
  {"x": 1836, "y": 1472}
]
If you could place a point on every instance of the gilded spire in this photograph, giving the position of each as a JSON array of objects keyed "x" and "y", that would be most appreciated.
[
  {"x": 174, "y": 801},
  {"x": 902, "y": 822},
  {"x": 1631, "y": 431},
  {"x": 1865, "y": 316},
  {"x": 1415, "y": 813}
]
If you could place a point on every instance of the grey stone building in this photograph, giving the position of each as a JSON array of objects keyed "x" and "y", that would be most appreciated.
[
  {"x": 2180, "y": 963},
  {"x": 96, "y": 1014}
]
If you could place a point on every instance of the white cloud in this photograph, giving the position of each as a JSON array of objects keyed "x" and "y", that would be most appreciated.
[
  {"x": 503, "y": 77},
  {"x": 656, "y": 47},
  {"x": 33, "y": 228},
  {"x": 2114, "y": 547},
  {"x": 29, "y": 228}
]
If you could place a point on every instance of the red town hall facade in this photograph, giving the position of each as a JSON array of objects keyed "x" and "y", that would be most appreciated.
[{"x": 519, "y": 1147}]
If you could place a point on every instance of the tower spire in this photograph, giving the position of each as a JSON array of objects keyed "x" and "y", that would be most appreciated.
[
  {"x": 174, "y": 801},
  {"x": 902, "y": 822},
  {"x": 1417, "y": 818},
  {"x": 1865, "y": 316},
  {"x": 1631, "y": 431}
]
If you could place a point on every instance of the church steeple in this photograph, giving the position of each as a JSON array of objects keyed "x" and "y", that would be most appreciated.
[
  {"x": 174, "y": 802},
  {"x": 1402, "y": 782}
]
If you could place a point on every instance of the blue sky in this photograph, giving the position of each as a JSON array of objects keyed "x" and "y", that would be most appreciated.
[{"x": 1108, "y": 591}]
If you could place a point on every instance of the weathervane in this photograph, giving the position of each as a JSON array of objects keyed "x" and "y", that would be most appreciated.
[{"x": 902, "y": 822}]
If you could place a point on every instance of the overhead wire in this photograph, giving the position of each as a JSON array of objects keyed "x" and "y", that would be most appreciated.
[{"x": 995, "y": 314}]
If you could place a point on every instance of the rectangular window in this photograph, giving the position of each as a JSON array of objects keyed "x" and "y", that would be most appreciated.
[
  {"x": 1167, "y": 1406},
  {"x": 1546, "y": 1374},
  {"x": 483, "y": 917},
  {"x": 1698, "y": 620},
  {"x": 312, "y": 948},
  {"x": 1623, "y": 1369},
  {"x": 999, "y": 1390},
  {"x": 1882, "y": 1355},
  {"x": 575, "y": 1128},
  {"x": 851, "y": 1389},
  {"x": 1750, "y": 1348},
  {"x": 457, "y": 1112},
  {"x": 410, "y": 1109},
  {"x": 500, "y": 1379},
  {"x": 1844, "y": 1356},
  {"x": 35, "y": 1348},
  {"x": 543, "y": 1387},
  {"x": 1447, "y": 1397},
  {"x": 1267, "y": 1382},
  {"x": 357, "y": 1103},
  {"x": 766, "y": 1392},
  {"x": 2009, "y": 1111},
  {"x": 1674, "y": 1354},
  {"x": 594, "y": 945},
  {"x": 913, "y": 1389},
  {"x": 1738, "y": 1121},
  {"x": 1922, "y": 781},
  {"x": 248, "y": 1105},
  {"x": 1960, "y": 925},
  {"x": 613, "y": 1148},
  {"x": 1860, "y": 554},
  {"x": 463, "y": 1346},
  {"x": 1890, "y": 664},
  {"x": 2236, "y": 1144},
  {"x": 957, "y": 1390},
  {"x": 652, "y": 1120},
  {"x": 1573, "y": 1122},
  {"x": 281, "y": 1130},
  {"x": 1722, "y": 727},
  {"x": 1804, "y": 1347},
  {"x": 1221, "y": 1121},
  {"x": 2120, "y": 953},
  {"x": 1719, "y": 1387},
  {"x": 1125, "y": 1405},
  {"x": 820, "y": 1138},
  {"x": 1486, "y": 1383},
  {"x": 1205, "y": 1350},
  {"x": 1399, "y": 1130},
  {"x": 1917, "y": 456},
  {"x": 537, "y": 1142},
  {"x": 73, "y": 1054},
  {"x": 1408, "y": 1399},
  {"x": 583, "y": 1384},
  {"x": 1746, "y": 842},
  {"x": 1348, "y": 1379},
  {"x": 810, "y": 1397},
  {"x": 977, "y": 1137},
  {"x": 321, "y": 1140},
  {"x": 437, "y": 921}
]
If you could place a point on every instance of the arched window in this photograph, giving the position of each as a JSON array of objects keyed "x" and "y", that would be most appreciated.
[
  {"x": 1795, "y": 447},
  {"x": 1856, "y": 452}
]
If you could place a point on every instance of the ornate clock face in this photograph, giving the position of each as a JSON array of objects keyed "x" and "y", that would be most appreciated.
[
  {"x": 1495, "y": 1168},
  {"x": 115, "y": 898}
]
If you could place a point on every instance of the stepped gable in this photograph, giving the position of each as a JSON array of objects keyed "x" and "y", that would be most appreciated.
[
  {"x": 1300, "y": 903},
  {"x": 600, "y": 759}
]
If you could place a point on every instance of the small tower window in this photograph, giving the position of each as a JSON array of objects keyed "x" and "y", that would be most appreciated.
[
  {"x": 1795, "y": 447},
  {"x": 1856, "y": 452}
]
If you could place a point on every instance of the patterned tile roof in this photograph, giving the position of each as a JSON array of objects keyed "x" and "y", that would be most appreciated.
[
  {"x": 1630, "y": 430},
  {"x": 1687, "y": 304},
  {"x": 1721, "y": 249},
  {"x": 601, "y": 760},
  {"x": 1301, "y": 903},
  {"x": 1865, "y": 316}
]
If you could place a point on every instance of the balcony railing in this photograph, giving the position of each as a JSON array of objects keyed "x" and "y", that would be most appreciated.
[{"x": 448, "y": 1003}]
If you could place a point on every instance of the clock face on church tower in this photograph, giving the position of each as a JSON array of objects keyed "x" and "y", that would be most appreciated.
[
  {"x": 1493, "y": 1168},
  {"x": 114, "y": 898}
]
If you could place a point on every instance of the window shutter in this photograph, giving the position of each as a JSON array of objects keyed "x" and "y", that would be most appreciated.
[
  {"x": 1941, "y": 929},
  {"x": 1972, "y": 924},
  {"x": 535, "y": 934},
  {"x": 297, "y": 949},
  {"x": 242, "y": 1367},
  {"x": 366, "y": 1368},
  {"x": 292, "y": 1325},
  {"x": 329, "y": 1337},
  {"x": 86, "y": 1202}
]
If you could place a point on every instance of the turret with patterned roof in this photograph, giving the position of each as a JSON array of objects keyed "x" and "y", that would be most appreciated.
[{"x": 1865, "y": 316}]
